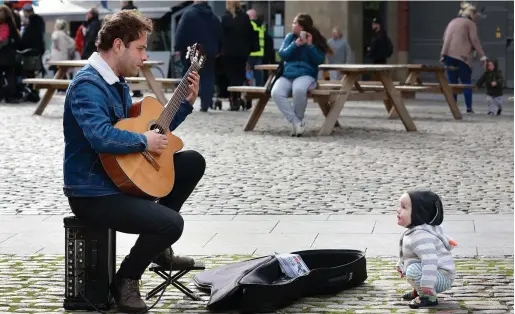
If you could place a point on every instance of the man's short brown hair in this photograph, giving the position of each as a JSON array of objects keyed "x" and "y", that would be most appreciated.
[{"x": 128, "y": 25}]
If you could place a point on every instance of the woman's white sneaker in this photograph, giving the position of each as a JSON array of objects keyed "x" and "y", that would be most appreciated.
[{"x": 298, "y": 128}]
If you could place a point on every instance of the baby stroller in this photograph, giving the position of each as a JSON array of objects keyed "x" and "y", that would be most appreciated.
[
  {"x": 27, "y": 67},
  {"x": 24, "y": 66}
]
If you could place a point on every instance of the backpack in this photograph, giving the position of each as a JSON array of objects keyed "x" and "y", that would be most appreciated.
[
  {"x": 4, "y": 35},
  {"x": 389, "y": 48}
]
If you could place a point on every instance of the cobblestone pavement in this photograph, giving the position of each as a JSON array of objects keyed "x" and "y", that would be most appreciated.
[
  {"x": 361, "y": 169},
  {"x": 36, "y": 284}
]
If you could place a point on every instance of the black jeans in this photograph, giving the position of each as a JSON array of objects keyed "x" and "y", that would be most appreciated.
[
  {"x": 159, "y": 224},
  {"x": 7, "y": 73},
  {"x": 235, "y": 69}
]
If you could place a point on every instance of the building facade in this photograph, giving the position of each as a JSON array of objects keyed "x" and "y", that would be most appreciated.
[{"x": 415, "y": 27}]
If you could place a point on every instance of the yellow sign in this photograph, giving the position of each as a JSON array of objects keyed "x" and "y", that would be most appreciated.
[{"x": 498, "y": 32}]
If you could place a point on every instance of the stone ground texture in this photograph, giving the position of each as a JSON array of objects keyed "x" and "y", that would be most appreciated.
[
  {"x": 35, "y": 283},
  {"x": 362, "y": 168}
]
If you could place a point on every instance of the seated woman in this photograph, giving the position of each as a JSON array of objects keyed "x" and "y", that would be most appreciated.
[{"x": 302, "y": 51}]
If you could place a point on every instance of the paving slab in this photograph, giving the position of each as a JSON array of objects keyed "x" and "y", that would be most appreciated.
[
  {"x": 324, "y": 226},
  {"x": 282, "y": 243},
  {"x": 485, "y": 226},
  {"x": 231, "y": 227},
  {"x": 211, "y": 236},
  {"x": 282, "y": 217}
]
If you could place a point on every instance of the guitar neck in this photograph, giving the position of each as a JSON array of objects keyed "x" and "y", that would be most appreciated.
[{"x": 177, "y": 98}]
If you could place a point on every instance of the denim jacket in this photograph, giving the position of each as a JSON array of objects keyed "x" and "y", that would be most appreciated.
[{"x": 91, "y": 108}]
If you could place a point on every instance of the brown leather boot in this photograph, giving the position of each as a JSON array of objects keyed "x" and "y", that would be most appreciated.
[
  {"x": 167, "y": 259},
  {"x": 127, "y": 296}
]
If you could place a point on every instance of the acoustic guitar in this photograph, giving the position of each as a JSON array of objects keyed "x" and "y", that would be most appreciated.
[{"x": 145, "y": 174}]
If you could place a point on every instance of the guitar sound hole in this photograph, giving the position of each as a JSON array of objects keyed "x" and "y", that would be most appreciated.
[{"x": 158, "y": 127}]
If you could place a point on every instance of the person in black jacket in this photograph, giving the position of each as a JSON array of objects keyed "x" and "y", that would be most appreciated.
[
  {"x": 200, "y": 25},
  {"x": 16, "y": 15},
  {"x": 32, "y": 40},
  {"x": 34, "y": 32},
  {"x": 9, "y": 39},
  {"x": 381, "y": 47},
  {"x": 92, "y": 25},
  {"x": 494, "y": 83},
  {"x": 238, "y": 41},
  {"x": 128, "y": 5}
]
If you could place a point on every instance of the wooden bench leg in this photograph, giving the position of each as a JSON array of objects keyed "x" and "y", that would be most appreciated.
[
  {"x": 412, "y": 78},
  {"x": 256, "y": 113},
  {"x": 331, "y": 118},
  {"x": 358, "y": 87},
  {"x": 154, "y": 85},
  {"x": 392, "y": 114},
  {"x": 447, "y": 91},
  {"x": 396, "y": 100},
  {"x": 324, "y": 102},
  {"x": 49, "y": 92}
]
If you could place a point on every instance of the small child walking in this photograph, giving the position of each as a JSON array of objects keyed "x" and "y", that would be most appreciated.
[
  {"x": 425, "y": 251},
  {"x": 494, "y": 82}
]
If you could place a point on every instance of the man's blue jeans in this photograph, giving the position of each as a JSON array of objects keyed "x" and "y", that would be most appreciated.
[{"x": 258, "y": 74}]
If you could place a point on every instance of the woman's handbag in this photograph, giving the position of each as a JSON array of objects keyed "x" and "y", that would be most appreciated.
[
  {"x": 278, "y": 73},
  {"x": 260, "y": 285}
]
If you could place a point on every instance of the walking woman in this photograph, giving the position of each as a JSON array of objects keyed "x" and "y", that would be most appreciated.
[
  {"x": 460, "y": 40},
  {"x": 302, "y": 51}
]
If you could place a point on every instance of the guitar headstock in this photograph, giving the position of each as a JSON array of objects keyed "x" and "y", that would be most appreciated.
[{"x": 196, "y": 54}]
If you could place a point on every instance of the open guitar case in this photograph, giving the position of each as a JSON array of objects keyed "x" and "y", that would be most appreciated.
[{"x": 258, "y": 285}]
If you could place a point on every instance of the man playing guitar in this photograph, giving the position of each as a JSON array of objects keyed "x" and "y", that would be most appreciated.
[{"x": 97, "y": 98}]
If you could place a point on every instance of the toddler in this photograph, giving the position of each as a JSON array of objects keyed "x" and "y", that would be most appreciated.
[
  {"x": 425, "y": 251},
  {"x": 493, "y": 80}
]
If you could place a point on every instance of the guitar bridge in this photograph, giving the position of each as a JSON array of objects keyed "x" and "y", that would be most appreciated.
[{"x": 151, "y": 160}]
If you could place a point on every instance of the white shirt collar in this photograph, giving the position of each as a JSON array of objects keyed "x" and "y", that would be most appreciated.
[{"x": 99, "y": 64}]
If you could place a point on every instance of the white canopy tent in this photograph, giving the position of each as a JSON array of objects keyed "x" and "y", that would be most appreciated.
[
  {"x": 71, "y": 10},
  {"x": 67, "y": 10}
]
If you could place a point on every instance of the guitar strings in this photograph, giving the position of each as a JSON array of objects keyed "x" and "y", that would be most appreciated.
[
  {"x": 163, "y": 122},
  {"x": 182, "y": 93}
]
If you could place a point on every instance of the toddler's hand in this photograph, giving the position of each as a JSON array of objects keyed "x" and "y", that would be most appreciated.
[
  {"x": 494, "y": 83},
  {"x": 400, "y": 272},
  {"x": 428, "y": 291}
]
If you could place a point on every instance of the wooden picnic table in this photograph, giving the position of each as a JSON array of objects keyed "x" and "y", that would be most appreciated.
[
  {"x": 351, "y": 74},
  {"x": 349, "y": 81},
  {"x": 64, "y": 66},
  {"x": 414, "y": 71},
  {"x": 413, "y": 79}
]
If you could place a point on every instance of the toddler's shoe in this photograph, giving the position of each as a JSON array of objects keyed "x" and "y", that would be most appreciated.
[{"x": 419, "y": 302}]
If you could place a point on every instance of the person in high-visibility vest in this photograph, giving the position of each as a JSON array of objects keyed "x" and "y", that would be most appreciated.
[{"x": 256, "y": 57}]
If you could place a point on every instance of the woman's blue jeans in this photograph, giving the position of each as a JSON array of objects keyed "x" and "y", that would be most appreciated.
[{"x": 464, "y": 74}]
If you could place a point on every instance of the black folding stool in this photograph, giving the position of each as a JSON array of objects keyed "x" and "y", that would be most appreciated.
[{"x": 173, "y": 279}]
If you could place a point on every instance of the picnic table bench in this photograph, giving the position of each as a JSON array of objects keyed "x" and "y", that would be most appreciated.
[{"x": 58, "y": 81}]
